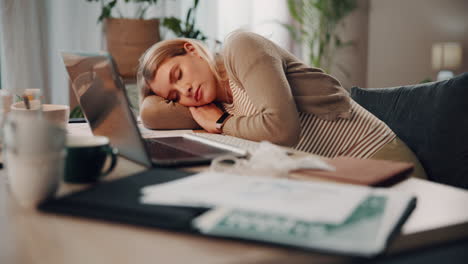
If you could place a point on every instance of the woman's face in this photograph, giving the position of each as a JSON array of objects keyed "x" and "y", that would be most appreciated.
[{"x": 185, "y": 79}]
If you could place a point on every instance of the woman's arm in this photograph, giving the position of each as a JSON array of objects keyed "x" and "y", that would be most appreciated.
[
  {"x": 253, "y": 62},
  {"x": 157, "y": 113}
]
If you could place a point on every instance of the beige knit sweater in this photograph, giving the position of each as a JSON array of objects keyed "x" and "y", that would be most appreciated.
[{"x": 278, "y": 84}]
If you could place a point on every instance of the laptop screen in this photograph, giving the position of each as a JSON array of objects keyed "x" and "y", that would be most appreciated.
[{"x": 101, "y": 93}]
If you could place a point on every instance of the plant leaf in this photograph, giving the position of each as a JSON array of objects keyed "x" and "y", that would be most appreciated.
[
  {"x": 293, "y": 11},
  {"x": 173, "y": 24}
]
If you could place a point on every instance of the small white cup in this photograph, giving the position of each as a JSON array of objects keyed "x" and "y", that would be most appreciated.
[
  {"x": 55, "y": 113},
  {"x": 34, "y": 157}
]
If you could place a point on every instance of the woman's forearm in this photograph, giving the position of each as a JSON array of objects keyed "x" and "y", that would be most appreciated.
[
  {"x": 157, "y": 113},
  {"x": 278, "y": 129}
]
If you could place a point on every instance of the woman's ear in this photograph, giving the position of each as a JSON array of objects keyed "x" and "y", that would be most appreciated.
[{"x": 189, "y": 48}]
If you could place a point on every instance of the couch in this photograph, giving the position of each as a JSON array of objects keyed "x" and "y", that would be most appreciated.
[{"x": 432, "y": 118}]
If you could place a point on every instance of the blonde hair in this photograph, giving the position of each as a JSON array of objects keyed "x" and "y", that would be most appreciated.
[{"x": 152, "y": 59}]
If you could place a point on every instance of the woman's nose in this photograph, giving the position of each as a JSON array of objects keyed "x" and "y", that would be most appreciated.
[{"x": 185, "y": 90}]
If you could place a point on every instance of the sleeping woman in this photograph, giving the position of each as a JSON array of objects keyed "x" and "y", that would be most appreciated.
[{"x": 256, "y": 90}]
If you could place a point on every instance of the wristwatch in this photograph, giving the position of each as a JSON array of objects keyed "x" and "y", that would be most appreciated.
[{"x": 220, "y": 122}]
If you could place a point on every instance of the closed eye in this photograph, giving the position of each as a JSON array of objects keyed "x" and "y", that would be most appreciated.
[{"x": 179, "y": 77}]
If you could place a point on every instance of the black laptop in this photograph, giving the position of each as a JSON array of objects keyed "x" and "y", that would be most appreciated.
[{"x": 102, "y": 96}]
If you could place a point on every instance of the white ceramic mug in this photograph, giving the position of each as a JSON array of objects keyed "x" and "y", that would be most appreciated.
[
  {"x": 55, "y": 113},
  {"x": 34, "y": 157}
]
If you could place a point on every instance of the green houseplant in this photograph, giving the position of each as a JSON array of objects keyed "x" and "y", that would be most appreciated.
[
  {"x": 316, "y": 26},
  {"x": 185, "y": 29},
  {"x": 108, "y": 6},
  {"x": 128, "y": 36}
]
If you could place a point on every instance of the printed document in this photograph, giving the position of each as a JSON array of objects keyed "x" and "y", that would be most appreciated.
[
  {"x": 372, "y": 222},
  {"x": 310, "y": 201}
]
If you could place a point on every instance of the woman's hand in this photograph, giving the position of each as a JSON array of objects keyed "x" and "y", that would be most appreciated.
[{"x": 206, "y": 116}]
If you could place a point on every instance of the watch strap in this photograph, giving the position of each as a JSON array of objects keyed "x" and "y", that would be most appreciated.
[{"x": 220, "y": 122}]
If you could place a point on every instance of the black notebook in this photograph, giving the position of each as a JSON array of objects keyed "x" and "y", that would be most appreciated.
[{"x": 119, "y": 200}]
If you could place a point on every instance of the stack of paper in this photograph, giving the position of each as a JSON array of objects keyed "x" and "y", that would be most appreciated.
[
  {"x": 340, "y": 218},
  {"x": 331, "y": 203}
]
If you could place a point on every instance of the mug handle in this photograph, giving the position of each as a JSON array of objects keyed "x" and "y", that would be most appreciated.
[{"x": 113, "y": 152}]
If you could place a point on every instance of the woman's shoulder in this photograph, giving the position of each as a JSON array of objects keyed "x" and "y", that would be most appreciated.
[
  {"x": 247, "y": 42},
  {"x": 244, "y": 50},
  {"x": 240, "y": 36}
]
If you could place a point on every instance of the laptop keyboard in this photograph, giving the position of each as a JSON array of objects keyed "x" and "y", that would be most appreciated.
[{"x": 244, "y": 144}]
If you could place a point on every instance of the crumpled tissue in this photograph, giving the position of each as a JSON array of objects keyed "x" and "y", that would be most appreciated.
[{"x": 267, "y": 160}]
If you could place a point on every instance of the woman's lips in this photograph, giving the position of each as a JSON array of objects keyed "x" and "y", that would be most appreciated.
[{"x": 198, "y": 94}]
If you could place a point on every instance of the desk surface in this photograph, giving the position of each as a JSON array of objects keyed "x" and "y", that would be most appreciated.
[{"x": 29, "y": 236}]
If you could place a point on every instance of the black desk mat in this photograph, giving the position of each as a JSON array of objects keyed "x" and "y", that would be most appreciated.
[{"x": 119, "y": 201}]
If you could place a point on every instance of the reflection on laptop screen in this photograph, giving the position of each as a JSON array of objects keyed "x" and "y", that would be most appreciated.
[{"x": 101, "y": 94}]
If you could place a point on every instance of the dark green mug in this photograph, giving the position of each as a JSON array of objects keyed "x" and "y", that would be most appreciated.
[{"x": 86, "y": 156}]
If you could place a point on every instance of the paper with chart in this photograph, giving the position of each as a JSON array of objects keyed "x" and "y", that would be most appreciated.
[
  {"x": 311, "y": 201},
  {"x": 373, "y": 221}
]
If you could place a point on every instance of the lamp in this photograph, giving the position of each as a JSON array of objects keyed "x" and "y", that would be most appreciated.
[{"x": 446, "y": 57}]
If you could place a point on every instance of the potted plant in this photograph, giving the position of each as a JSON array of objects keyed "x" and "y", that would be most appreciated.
[
  {"x": 128, "y": 37},
  {"x": 316, "y": 24}
]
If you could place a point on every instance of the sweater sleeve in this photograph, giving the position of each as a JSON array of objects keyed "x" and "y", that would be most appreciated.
[
  {"x": 254, "y": 63},
  {"x": 157, "y": 113}
]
